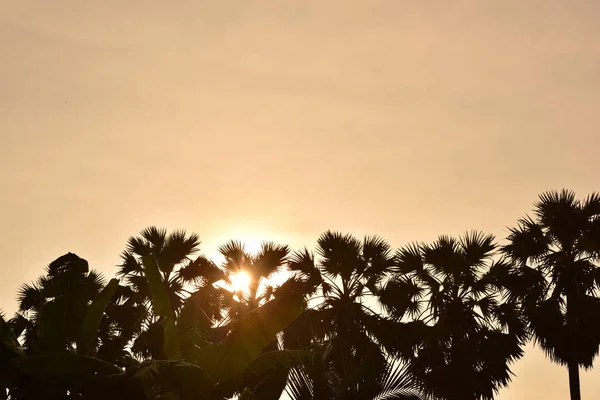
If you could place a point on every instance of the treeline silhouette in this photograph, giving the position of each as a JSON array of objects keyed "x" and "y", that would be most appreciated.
[{"x": 354, "y": 320}]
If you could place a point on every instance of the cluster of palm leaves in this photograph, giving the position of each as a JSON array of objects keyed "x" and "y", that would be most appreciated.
[
  {"x": 354, "y": 320},
  {"x": 61, "y": 355}
]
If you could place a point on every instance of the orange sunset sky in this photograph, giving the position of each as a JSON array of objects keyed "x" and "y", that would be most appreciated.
[{"x": 277, "y": 120}]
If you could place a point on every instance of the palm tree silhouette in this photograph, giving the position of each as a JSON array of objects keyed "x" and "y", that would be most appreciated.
[
  {"x": 51, "y": 319},
  {"x": 51, "y": 310},
  {"x": 180, "y": 273},
  {"x": 259, "y": 267},
  {"x": 556, "y": 278},
  {"x": 270, "y": 259},
  {"x": 348, "y": 272},
  {"x": 468, "y": 334}
]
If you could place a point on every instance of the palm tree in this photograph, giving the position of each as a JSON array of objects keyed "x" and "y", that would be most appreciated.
[
  {"x": 214, "y": 371},
  {"x": 180, "y": 273},
  {"x": 60, "y": 317},
  {"x": 348, "y": 272},
  {"x": 259, "y": 267},
  {"x": 237, "y": 364},
  {"x": 51, "y": 310},
  {"x": 556, "y": 278},
  {"x": 469, "y": 335},
  {"x": 10, "y": 349}
]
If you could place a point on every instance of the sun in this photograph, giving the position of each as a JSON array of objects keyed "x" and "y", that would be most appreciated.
[
  {"x": 252, "y": 238},
  {"x": 240, "y": 282}
]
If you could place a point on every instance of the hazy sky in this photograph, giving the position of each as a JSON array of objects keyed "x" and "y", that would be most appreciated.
[{"x": 280, "y": 119}]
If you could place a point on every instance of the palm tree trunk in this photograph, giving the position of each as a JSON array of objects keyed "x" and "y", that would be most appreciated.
[
  {"x": 573, "y": 365},
  {"x": 574, "y": 387}
]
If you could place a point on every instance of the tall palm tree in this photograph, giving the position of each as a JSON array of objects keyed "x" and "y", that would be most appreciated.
[
  {"x": 556, "y": 276},
  {"x": 62, "y": 315},
  {"x": 186, "y": 279},
  {"x": 51, "y": 310},
  {"x": 259, "y": 268},
  {"x": 348, "y": 272},
  {"x": 469, "y": 336}
]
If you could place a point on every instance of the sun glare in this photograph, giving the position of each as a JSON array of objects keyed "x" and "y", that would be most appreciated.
[
  {"x": 240, "y": 282},
  {"x": 252, "y": 246},
  {"x": 252, "y": 238}
]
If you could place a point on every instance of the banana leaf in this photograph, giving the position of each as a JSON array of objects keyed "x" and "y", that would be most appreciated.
[
  {"x": 162, "y": 307},
  {"x": 9, "y": 345},
  {"x": 249, "y": 337},
  {"x": 64, "y": 365},
  {"x": 266, "y": 374},
  {"x": 175, "y": 379},
  {"x": 194, "y": 328},
  {"x": 93, "y": 317}
]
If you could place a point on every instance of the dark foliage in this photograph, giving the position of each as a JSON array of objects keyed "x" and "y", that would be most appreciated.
[
  {"x": 556, "y": 277},
  {"x": 443, "y": 320}
]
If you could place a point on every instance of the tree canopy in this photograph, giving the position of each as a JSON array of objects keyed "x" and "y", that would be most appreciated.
[{"x": 354, "y": 319}]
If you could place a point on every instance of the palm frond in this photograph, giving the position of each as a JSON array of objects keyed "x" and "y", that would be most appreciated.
[
  {"x": 149, "y": 343},
  {"x": 443, "y": 257},
  {"x": 511, "y": 320},
  {"x": 302, "y": 261},
  {"x": 270, "y": 259},
  {"x": 200, "y": 270},
  {"x": 140, "y": 287},
  {"x": 591, "y": 205},
  {"x": 178, "y": 247},
  {"x": 341, "y": 254},
  {"x": 477, "y": 248},
  {"x": 95, "y": 282},
  {"x": 561, "y": 214},
  {"x": 29, "y": 297},
  {"x": 139, "y": 246},
  {"x": 527, "y": 241},
  {"x": 155, "y": 237},
  {"x": 19, "y": 324},
  {"x": 409, "y": 259},
  {"x": 235, "y": 255},
  {"x": 487, "y": 305},
  {"x": 397, "y": 383},
  {"x": 377, "y": 256},
  {"x": 129, "y": 265},
  {"x": 397, "y": 294},
  {"x": 123, "y": 293},
  {"x": 299, "y": 385}
]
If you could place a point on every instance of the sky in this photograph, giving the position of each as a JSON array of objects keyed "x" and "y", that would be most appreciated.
[{"x": 277, "y": 120}]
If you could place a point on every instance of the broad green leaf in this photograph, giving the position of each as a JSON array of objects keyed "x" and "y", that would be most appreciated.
[
  {"x": 250, "y": 336},
  {"x": 93, "y": 317},
  {"x": 193, "y": 327},
  {"x": 192, "y": 316},
  {"x": 267, "y": 373},
  {"x": 180, "y": 380},
  {"x": 162, "y": 307},
  {"x": 65, "y": 365},
  {"x": 273, "y": 387},
  {"x": 192, "y": 342},
  {"x": 10, "y": 347},
  {"x": 276, "y": 360}
]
